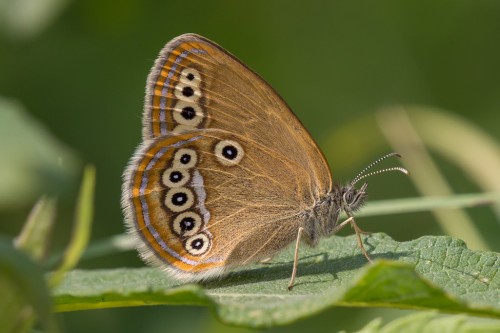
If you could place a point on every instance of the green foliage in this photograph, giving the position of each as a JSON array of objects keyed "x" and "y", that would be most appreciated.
[
  {"x": 24, "y": 294},
  {"x": 81, "y": 72},
  {"x": 431, "y": 322},
  {"x": 82, "y": 226},
  {"x": 430, "y": 273},
  {"x": 447, "y": 277}
]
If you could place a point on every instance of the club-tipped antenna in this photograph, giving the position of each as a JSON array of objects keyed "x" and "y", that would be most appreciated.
[{"x": 363, "y": 173}]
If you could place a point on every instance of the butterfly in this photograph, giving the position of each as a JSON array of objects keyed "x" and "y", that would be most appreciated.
[{"x": 226, "y": 175}]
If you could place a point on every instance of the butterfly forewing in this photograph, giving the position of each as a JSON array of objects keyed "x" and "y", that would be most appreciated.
[{"x": 195, "y": 84}]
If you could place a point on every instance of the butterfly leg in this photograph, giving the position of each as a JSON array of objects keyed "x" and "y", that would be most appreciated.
[
  {"x": 358, "y": 232},
  {"x": 342, "y": 225},
  {"x": 295, "y": 259},
  {"x": 360, "y": 242}
]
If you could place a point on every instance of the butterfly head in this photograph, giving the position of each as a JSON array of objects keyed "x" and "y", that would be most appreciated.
[
  {"x": 352, "y": 198},
  {"x": 348, "y": 198}
]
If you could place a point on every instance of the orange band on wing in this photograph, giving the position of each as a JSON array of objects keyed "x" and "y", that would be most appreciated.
[
  {"x": 163, "y": 97},
  {"x": 152, "y": 223}
]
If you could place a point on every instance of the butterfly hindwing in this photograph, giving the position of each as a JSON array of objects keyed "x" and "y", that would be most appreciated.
[{"x": 185, "y": 194}]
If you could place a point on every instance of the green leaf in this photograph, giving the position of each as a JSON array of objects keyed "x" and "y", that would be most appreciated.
[
  {"x": 35, "y": 235},
  {"x": 24, "y": 294},
  {"x": 82, "y": 226},
  {"x": 431, "y": 322},
  {"x": 430, "y": 273}
]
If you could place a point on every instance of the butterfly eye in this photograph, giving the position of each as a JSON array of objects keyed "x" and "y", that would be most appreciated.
[
  {"x": 173, "y": 177},
  {"x": 197, "y": 244},
  {"x": 229, "y": 152},
  {"x": 179, "y": 199},
  {"x": 186, "y": 224},
  {"x": 185, "y": 159},
  {"x": 354, "y": 199}
]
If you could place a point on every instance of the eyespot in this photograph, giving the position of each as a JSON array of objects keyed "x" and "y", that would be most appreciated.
[
  {"x": 185, "y": 158},
  {"x": 197, "y": 245},
  {"x": 179, "y": 199},
  {"x": 187, "y": 92},
  {"x": 186, "y": 224},
  {"x": 190, "y": 76},
  {"x": 188, "y": 113},
  {"x": 229, "y": 152},
  {"x": 173, "y": 177}
]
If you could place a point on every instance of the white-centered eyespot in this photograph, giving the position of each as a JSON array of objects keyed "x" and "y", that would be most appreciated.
[
  {"x": 173, "y": 177},
  {"x": 190, "y": 76},
  {"x": 229, "y": 152},
  {"x": 187, "y": 92},
  {"x": 188, "y": 113},
  {"x": 185, "y": 158},
  {"x": 179, "y": 199},
  {"x": 186, "y": 224},
  {"x": 198, "y": 244}
]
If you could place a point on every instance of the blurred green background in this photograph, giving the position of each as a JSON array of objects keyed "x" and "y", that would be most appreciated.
[{"x": 78, "y": 69}]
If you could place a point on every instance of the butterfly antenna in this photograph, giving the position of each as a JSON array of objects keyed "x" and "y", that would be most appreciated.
[{"x": 363, "y": 173}]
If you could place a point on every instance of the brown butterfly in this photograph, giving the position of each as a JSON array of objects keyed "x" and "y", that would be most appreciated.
[{"x": 226, "y": 174}]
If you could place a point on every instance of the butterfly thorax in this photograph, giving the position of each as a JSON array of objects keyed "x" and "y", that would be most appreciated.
[{"x": 324, "y": 216}]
